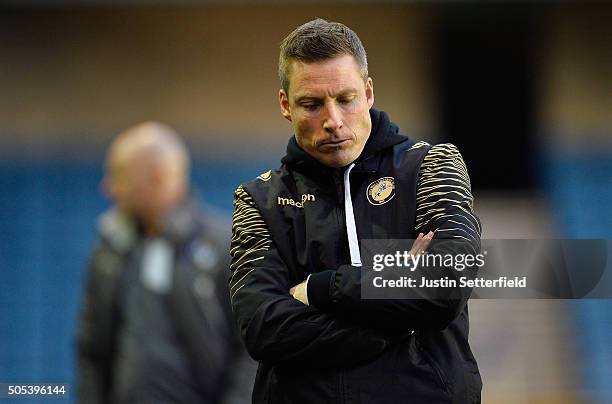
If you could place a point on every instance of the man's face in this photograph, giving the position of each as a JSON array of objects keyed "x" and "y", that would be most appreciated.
[
  {"x": 130, "y": 187},
  {"x": 328, "y": 105}
]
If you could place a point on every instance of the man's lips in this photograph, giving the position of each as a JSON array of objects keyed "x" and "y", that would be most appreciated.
[{"x": 334, "y": 144}]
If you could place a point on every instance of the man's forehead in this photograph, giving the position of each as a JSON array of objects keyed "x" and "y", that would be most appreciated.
[{"x": 337, "y": 75}]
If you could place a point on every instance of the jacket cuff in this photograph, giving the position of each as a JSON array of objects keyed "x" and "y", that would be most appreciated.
[{"x": 318, "y": 289}]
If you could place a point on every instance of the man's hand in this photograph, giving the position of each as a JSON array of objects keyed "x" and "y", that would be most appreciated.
[
  {"x": 299, "y": 292},
  {"x": 419, "y": 247}
]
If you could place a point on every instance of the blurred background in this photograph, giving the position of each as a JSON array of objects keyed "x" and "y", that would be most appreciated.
[{"x": 523, "y": 88}]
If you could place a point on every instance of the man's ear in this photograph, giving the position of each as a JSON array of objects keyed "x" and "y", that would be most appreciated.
[
  {"x": 370, "y": 92},
  {"x": 283, "y": 101}
]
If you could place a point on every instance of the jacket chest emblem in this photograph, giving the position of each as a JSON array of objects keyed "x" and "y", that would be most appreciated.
[{"x": 381, "y": 191}]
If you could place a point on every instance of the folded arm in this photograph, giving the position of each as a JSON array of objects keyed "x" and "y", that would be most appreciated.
[
  {"x": 444, "y": 206},
  {"x": 274, "y": 326}
]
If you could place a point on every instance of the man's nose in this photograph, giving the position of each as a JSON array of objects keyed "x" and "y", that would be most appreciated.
[{"x": 333, "y": 119}]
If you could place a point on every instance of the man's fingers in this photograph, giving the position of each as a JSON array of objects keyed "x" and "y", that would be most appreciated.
[
  {"x": 421, "y": 243},
  {"x": 427, "y": 240},
  {"x": 416, "y": 246}
]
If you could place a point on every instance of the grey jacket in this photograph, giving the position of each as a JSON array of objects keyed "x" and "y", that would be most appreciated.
[{"x": 211, "y": 364}]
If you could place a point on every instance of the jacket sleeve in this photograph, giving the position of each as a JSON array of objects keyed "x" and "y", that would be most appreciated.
[
  {"x": 444, "y": 204},
  {"x": 274, "y": 326},
  {"x": 95, "y": 336}
]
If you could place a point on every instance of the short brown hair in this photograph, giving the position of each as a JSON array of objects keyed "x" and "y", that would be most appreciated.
[{"x": 320, "y": 40}]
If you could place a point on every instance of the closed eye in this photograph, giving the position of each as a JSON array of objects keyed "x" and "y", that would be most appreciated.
[
  {"x": 346, "y": 100},
  {"x": 310, "y": 106}
]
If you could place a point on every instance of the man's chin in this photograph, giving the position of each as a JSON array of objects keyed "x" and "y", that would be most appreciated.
[{"x": 336, "y": 161}]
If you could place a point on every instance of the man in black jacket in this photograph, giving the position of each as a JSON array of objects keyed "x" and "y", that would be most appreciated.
[
  {"x": 155, "y": 326},
  {"x": 296, "y": 275}
]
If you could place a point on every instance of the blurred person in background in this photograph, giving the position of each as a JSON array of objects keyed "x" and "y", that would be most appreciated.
[
  {"x": 155, "y": 325},
  {"x": 296, "y": 272}
]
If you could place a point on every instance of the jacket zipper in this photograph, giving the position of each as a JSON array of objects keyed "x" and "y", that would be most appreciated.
[
  {"x": 340, "y": 237},
  {"x": 340, "y": 220}
]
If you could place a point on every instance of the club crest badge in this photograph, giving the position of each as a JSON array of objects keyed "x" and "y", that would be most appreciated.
[{"x": 381, "y": 191}]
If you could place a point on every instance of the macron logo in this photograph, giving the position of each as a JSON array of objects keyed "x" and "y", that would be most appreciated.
[{"x": 299, "y": 204}]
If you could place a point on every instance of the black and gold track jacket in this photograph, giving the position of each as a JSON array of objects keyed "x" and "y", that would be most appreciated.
[{"x": 291, "y": 223}]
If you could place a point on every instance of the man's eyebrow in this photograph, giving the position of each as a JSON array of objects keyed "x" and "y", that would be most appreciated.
[
  {"x": 344, "y": 93},
  {"x": 307, "y": 98},
  {"x": 347, "y": 92}
]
